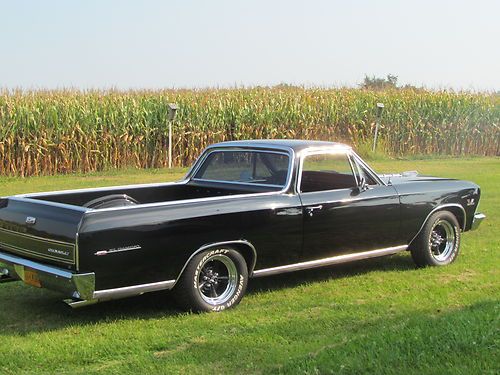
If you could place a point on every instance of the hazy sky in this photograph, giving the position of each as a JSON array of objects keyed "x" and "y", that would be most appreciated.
[{"x": 154, "y": 44}]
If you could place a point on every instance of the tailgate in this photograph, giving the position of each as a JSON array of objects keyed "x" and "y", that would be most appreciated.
[{"x": 40, "y": 230}]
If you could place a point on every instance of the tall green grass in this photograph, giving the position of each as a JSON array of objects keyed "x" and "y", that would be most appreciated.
[{"x": 46, "y": 132}]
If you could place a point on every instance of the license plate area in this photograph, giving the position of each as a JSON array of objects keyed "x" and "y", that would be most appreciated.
[{"x": 32, "y": 278}]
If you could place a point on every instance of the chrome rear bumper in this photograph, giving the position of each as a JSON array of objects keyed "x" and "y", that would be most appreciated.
[
  {"x": 74, "y": 285},
  {"x": 478, "y": 218},
  {"x": 78, "y": 287}
]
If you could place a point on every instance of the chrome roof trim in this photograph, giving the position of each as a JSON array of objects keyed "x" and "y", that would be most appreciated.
[
  {"x": 296, "y": 144},
  {"x": 318, "y": 149}
]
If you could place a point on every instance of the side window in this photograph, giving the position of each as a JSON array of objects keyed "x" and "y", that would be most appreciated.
[{"x": 327, "y": 171}]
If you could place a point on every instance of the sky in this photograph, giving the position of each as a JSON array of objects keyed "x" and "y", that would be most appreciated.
[{"x": 225, "y": 43}]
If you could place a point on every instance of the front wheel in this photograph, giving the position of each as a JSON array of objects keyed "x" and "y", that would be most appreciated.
[
  {"x": 439, "y": 242},
  {"x": 214, "y": 280}
]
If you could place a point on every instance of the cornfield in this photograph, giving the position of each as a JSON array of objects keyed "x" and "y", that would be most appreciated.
[{"x": 47, "y": 132}]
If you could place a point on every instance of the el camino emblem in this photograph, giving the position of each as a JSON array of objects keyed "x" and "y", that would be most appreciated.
[
  {"x": 58, "y": 252},
  {"x": 30, "y": 220},
  {"x": 117, "y": 250}
]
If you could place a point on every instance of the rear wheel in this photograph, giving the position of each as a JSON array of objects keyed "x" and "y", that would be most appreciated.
[
  {"x": 439, "y": 242},
  {"x": 214, "y": 280}
]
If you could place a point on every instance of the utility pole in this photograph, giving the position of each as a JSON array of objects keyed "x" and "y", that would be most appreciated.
[
  {"x": 380, "y": 108},
  {"x": 172, "y": 109}
]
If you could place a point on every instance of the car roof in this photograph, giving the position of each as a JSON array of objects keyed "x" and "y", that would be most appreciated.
[{"x": 295, "y": 144}]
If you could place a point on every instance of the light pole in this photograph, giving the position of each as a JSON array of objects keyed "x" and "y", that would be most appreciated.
[
  {"x": 172, "y": 109},
  {"x": 380, "y": 108}
]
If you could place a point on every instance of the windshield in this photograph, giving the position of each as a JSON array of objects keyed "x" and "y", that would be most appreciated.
[{"x": 250, "y": 167}]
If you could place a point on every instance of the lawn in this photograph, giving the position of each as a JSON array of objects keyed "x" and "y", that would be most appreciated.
[{"x": 376, "y": 316}]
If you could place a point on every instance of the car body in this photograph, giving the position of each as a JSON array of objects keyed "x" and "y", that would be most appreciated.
[{"x": 274, "y": 206}]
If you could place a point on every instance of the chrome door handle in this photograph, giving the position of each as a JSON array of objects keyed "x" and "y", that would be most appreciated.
[{"x": 310, "y": 210}]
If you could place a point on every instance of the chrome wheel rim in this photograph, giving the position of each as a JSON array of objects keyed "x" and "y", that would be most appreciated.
[
  {"x": 442, "y": 240},
  {"x": 217, "y": 280}
]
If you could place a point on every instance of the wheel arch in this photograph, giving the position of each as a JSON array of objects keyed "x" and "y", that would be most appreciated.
[
  {"x": 244, "y": 247},
  {"x": 459, "y": 213},
  {"x": 456, "y": 209}
]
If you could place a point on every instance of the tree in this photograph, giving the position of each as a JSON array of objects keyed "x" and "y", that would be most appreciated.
[{"x": 376, "y": 83}]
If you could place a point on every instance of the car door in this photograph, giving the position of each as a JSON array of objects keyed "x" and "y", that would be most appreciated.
[{"x": 340, "y": 217}]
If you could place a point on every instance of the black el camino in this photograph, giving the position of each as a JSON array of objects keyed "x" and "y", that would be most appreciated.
[{"x": 245, "y": 209}]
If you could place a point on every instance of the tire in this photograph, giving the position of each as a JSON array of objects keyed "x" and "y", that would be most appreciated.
[
  {"x": 109, "y": 201},
  {"x": 438, "y": 243},
  {"x": 214, "y": 280}
]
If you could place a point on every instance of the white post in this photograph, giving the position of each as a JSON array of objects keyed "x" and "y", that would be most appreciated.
[
  {"x": 170, "y": 144},
  {"x": 172, "y": 108},
  {"x": 380, "y": 108}
]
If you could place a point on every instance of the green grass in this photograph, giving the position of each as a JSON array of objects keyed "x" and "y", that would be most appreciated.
[{"x": 377, "y": 316}]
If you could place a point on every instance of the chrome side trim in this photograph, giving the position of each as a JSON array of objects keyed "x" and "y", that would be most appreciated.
[
  {"x": 76, "y": 303},
  {"x": 29, "y": 199},
  {"x": 90, "y": 190},
  {"x": 183, "y": 201},
  {"x": 216, "y": 244},
  {"x": 118, "y": 250},
  {"x": 329, "y": 261},
  {"x": 39, "y": 255},
  {"x": 437, "y": 209},
  {"x": 77, "y": 244},
  {"x": 237, "y": 183},
  {"x": 134, "y": 290},
  {"x": 36, "y": 237}
]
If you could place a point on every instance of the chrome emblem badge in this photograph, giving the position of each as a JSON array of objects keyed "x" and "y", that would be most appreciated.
[
  {"x": 30, "y": 220},
  {"x": 470, "y": 202}
]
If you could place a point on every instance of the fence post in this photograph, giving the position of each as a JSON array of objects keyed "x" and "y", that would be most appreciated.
[
  {"x": 380, "y": 108},
  {"x": 172, "y": 109}
]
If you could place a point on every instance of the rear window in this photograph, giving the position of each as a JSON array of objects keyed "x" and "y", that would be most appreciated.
[{"x": 250, "y": 167}]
